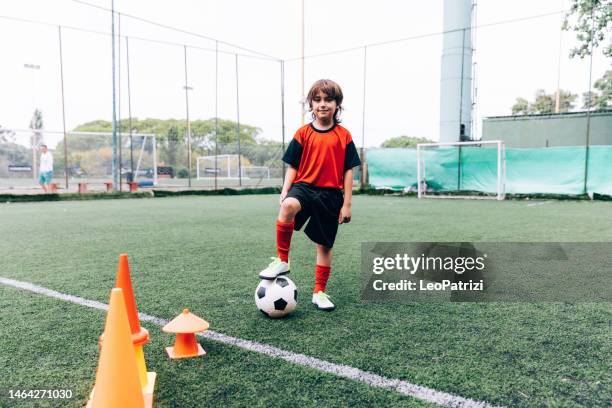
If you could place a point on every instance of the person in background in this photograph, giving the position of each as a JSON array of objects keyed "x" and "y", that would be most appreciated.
[{"x": 46, "y": 169}]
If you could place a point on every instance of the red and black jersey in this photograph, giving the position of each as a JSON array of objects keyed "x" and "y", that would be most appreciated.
[{"x": 322, "y": 156}]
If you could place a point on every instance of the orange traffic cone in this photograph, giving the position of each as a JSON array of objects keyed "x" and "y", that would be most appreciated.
[
  {"x": 117, "y": 383},
  {"x": 140, "y": 335},
  {"x": 185, "y": 326}
]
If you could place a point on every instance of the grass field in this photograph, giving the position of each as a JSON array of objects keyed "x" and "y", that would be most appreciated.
[{"x": 205, "y": 252}]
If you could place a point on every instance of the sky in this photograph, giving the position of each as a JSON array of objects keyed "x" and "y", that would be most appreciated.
[{"x": 402, "y": 82}]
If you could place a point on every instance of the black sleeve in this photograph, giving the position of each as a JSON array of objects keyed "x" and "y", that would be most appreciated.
[
  {"x": 293, "y": 154},
  {"x": 351, "y": 158}
]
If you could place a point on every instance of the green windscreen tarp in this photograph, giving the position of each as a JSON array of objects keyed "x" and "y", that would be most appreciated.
[{"x": 552, "y": 170}]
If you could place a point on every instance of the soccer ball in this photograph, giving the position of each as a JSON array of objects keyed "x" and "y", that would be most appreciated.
[{"x": 276, "y": 298}]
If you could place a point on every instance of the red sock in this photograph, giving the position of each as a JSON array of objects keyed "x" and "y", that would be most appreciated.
[
  {"x": 284, "y": 230},
  {"x": 321, "y": 277}
]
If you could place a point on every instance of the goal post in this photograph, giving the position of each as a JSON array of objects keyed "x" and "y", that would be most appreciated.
[
  {"x": 145, "y": 152},
  {"x": 255, "y": 172},
  {"x": 472, "y": 170},
  {"x": 225, "y": 166}
]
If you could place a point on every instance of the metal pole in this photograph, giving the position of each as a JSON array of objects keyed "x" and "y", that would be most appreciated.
[
  {"x": 154, "y": 160},
  {"x": 238, "y": 126},
  {"x": 216, "y": 107},
  {"x": 588, "y": 128},
  {"x": 59, "y": 29},
  {"x": 114, "y": 161},
  {"x": 188, "y": 122},
  {"x": 127, "y": 60},
  {"x": 558, "y": 93},
  {"x": 303, "y": 105},
  {"x": 418, "y": 154},
  {"x": 34, "y": 138},
  {"x": 499, "y": 175},
  {"x": 461, "y": 82},
  {"x": 461, "y": 110},
  {"x": 282, "y": 66},
  {"x": 362, "y": 165},
  {"x": 474, "y": 90},
  {"x": 119, "y": 99}
]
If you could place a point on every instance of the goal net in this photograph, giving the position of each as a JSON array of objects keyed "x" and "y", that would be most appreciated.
[
  {"x": 144, "y": 155},
  {"x": 255, "y": 172},
  {"x": 223, "y": 165},
  {"x": 474, "y": 170},
  {"x": 82, "y": 155}
]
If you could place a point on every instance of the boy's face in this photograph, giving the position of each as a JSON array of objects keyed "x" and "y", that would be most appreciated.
[{"x": 324, "y": 107}]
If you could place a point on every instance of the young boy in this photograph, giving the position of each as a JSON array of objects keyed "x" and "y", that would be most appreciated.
[{"x": 321, "y": 158}]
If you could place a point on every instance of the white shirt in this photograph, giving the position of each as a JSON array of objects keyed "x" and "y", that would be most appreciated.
[{"x": 46, "y": 162}]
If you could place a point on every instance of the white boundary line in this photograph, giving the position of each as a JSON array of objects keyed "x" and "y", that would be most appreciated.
[
  {"x": 538, "y": 203},
  {"x": 374, "y": 380}
]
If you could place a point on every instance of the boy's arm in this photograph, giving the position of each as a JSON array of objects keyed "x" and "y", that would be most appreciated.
[
  {"x": 345, "y": 211},
  {"x": 289, "y": 178}
]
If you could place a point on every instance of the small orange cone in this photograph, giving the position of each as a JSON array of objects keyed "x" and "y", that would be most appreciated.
[
  {"x": 117, "y": 381},
  {"x": 140, "y": 335},
  {"x": 185, "y": 326}
]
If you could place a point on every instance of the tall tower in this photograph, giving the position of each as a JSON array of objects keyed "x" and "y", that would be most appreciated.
[{"x": 456, "y": 72}]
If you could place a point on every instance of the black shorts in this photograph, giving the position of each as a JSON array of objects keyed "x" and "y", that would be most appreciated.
[{"x": 320, "y": 205}]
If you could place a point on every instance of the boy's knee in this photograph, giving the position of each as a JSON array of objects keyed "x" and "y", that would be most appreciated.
[
  {"x": 323, "y": 248},
  {"x": 290, "y": 206}
]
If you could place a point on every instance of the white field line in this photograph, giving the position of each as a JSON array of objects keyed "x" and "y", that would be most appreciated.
[
  {"x": 538, "y": 203},
  {"x": 340, "y": 370}
]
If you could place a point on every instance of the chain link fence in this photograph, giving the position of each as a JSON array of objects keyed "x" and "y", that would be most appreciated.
[{"x": 210, "y": 117}]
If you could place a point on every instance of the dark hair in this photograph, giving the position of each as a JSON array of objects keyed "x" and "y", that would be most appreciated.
[
  {"x": 329, "y": 88},
  {"x": 44, "y": 145}
]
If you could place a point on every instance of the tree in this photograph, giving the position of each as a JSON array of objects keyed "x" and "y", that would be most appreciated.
[
  {"x": 566, "y": 100},
  {"x": 11, "y": 152},
  {"x": 265, "y": 153},
  {"x": 520, "y": 107},
  {"x": 36, "y": 123},
  {"x": 171, "y": 146},
  {"x": 7, "y": 135},
  {"x": 544, "y": 103},
  {"x": 405, "y": 141},
  {"x": 202, "y": 131},
  {"x": 591, "y": 20},
  {"x": 603, "y": 99},
  {"x": 171, "y": 136}
]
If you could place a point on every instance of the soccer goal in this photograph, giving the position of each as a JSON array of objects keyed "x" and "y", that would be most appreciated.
[
  {"x": 255, "y": 172},
  {"x": 145, "y": 169},
  {"x": 223, "y": 165},
  {"x": 473, "y": 170},
  {"x": 90, "y": 154}
]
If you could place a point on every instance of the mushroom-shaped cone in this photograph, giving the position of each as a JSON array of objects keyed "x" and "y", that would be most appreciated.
[
  {"x": 185, "y": 326},
  {"x": 186, "y": 322}
]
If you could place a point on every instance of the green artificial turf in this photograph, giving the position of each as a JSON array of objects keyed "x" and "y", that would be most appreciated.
[
  {"x": 60, "y": 352},
  {"x": 205, "y": 252}
]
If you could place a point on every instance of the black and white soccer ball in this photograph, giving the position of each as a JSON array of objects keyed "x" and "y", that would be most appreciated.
[{"x": 276, "y": 298}]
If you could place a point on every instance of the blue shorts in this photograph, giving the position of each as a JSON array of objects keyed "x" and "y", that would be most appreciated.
[{"x": 45, "y": 177}]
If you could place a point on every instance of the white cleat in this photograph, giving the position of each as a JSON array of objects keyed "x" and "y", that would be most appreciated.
[
  {"x": 322, "y": 302},
  {"x": 276, "y": 268}
]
